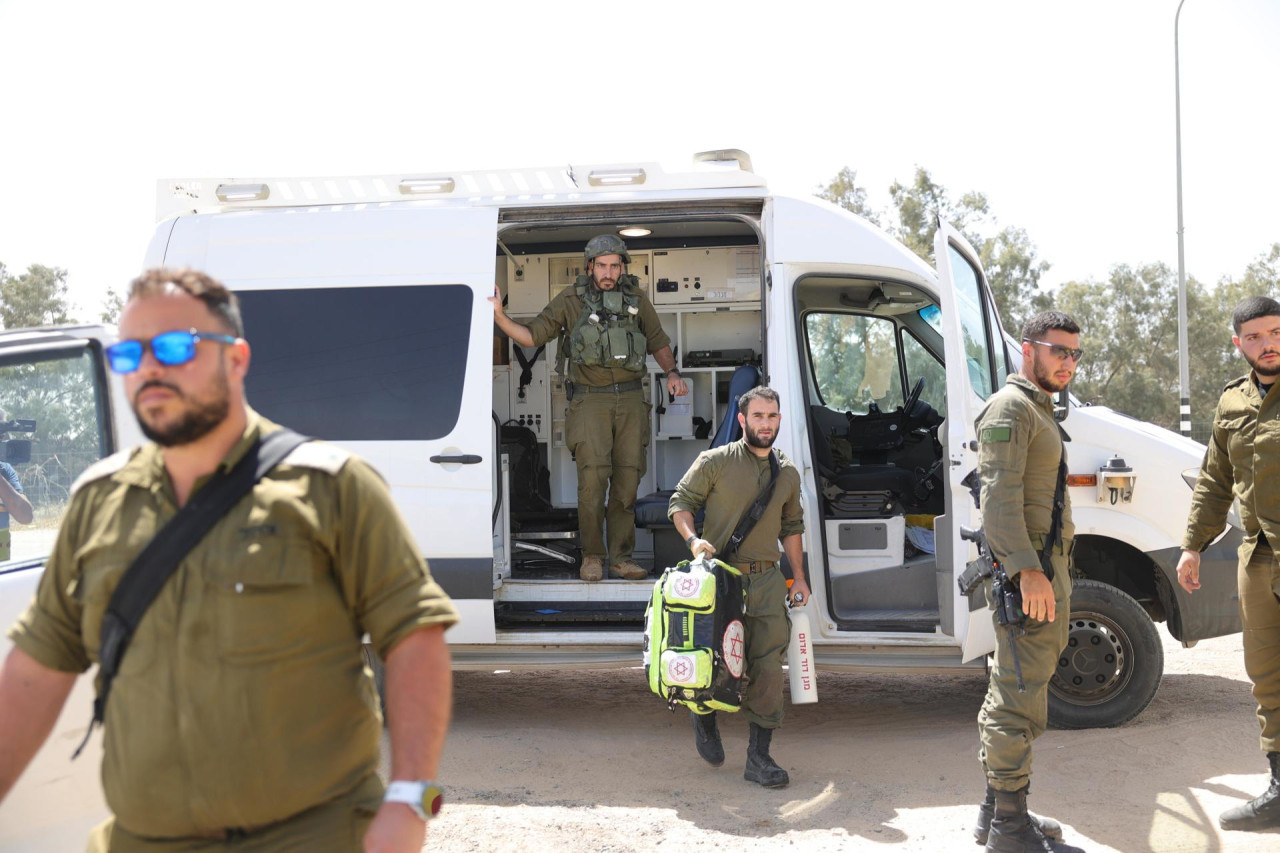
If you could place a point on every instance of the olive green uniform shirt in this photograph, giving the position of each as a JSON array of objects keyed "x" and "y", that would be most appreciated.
[
  {"x": 1020, "y": 446},
  {"x": 726, "y": 481},
  {"x": 563, "y": 312},
  {"x": 243, "y": 698},
  {"x": 1241, "y": 462}
]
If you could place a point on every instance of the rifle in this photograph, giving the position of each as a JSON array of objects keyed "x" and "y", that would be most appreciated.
[{"x": 1007, "y": 596}]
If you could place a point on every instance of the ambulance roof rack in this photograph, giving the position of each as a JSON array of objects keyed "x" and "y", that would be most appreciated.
[{"x": 727, "y": 169}]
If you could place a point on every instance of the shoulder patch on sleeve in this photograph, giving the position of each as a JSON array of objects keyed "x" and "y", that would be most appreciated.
[
  {"x": 319, "y": 455},
  {"x": 104, "y": 467},
  {"x": 996, "y": 434}
]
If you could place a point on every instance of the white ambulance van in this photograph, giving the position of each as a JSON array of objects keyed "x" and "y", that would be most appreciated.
[{"x": 365, "y": 301}]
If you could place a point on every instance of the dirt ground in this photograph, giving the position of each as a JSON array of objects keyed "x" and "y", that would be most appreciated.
[{"x": 593, "y": 762}]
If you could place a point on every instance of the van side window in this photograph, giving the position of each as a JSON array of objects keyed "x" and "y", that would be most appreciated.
[
  {"x": 977, "y": 349},
  {"x": 53, "y": 428},
  {"x": 921, "y": 363},
  {"x": 359, "y": 363},
  {"x": 854, "y": 361}
]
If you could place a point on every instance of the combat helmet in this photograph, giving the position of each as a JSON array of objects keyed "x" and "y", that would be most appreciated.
[{"x": 606, "y": 244}]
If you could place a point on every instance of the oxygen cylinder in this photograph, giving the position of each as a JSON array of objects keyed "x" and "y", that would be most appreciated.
[{"x": 804, "y": 678}]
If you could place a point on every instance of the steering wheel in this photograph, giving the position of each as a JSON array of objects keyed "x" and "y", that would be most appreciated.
[{"x": 913, "y": 397}]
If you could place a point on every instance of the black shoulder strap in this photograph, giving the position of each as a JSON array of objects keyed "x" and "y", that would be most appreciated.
[
  {"x": 526, "y": 365},
  {"x": 1059, "y": 507},
  {"x": 157, "y": 562},
  {"x": 756, "y": 510}
]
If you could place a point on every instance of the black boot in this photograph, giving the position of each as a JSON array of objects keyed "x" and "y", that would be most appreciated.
[
  {"x": 706, "y": 736},
  {"x": 1261, "y": 812},
  {"x": 1013, "y": 831},
  {"x": 761, "y": 767},
  {"x": 1050, "y": 827}
]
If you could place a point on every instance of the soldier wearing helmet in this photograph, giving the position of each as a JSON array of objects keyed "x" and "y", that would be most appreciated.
[{"x": 606, "y": 328}]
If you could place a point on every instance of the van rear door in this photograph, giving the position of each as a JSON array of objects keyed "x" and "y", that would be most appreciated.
[
  {"x": 974, "y": 353},
  {"x": 369, "y": 327}
]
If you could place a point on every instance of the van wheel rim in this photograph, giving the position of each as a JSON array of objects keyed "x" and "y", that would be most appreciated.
[{"x": 1094, "y": 666}]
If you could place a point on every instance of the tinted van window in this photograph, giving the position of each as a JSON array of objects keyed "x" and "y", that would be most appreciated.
[{"x": 359, "y": 363}]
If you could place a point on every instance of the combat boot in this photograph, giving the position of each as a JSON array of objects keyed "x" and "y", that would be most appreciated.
[
  {"x": 706, "y": 736},
  {"x": 592, "y": 569},
  {"x": 761, "y": 768},
  {"x": 1261, "y": 812},
  {"x": 627, "y": 570},
  {"x": 1013, "y": 831},
  {"x": 1050, "y": 827}
]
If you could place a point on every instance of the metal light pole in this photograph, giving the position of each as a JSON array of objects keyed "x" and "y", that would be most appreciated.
[{"x": 1184, "y": 376}]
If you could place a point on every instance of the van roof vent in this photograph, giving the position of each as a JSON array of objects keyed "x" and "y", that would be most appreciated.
[{"x": 721, "y": 158}]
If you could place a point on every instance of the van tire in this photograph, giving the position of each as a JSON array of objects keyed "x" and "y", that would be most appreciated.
[{"x": 1111, "y": 668}]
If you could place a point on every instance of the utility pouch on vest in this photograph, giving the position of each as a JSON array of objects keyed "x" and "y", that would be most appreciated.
[
  {"x": 152, "y": 568},
  {"x": 622, "y": 349},
  {"x": 694, "y": 640},
  {"x": 590, "y": 344}
]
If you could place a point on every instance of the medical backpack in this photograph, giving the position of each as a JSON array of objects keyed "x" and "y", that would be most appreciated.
[{"x": 694, "y": 640}]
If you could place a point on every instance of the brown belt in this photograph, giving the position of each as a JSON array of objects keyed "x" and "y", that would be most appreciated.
[{"x": 754, "y": 567}]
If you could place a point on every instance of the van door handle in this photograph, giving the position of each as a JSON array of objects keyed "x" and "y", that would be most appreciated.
[{"x": 465, "y": 459}]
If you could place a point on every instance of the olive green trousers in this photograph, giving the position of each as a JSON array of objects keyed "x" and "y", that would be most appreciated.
[
  {"x": 1259, "y": 581},
  {"x": 1010, "y": 720},
  {"x": 334, "y": 827},
  {"x": 608, "y": 434},
  {"x": 768, "y": 632}
]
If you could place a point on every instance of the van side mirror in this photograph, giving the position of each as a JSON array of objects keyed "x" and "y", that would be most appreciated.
[{"x": 1062, "y": 406}]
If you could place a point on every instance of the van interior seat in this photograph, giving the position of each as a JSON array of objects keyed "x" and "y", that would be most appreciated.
[{"x": 869, "y": 471}]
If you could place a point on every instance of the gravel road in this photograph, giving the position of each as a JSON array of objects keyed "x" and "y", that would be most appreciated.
[{"x": 593, "y": 762}]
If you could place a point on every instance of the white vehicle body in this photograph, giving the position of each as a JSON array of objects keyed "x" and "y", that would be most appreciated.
[{"x": 366, "y": 306}]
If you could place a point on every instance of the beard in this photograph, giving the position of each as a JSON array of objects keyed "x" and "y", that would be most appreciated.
[
  {"x": 198, "y": 419},
  {"x": 1044, "y": 376},
  {"x": 754, "y": 439},
  {"x": 1270, "y": 372},
  {"x": 596, "y": 281}
]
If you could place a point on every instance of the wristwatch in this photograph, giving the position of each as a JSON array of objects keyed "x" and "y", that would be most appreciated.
[
  {"x": 425, "y": 798},
  {"x": 689, "y": 541}
]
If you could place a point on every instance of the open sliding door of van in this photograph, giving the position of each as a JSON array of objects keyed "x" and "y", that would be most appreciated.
[
  {"x": 370, "y": 328},
  {"x": 968, "y": 348}
]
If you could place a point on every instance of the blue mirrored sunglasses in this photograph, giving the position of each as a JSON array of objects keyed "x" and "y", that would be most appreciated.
[{"x": 170, "y": 348}]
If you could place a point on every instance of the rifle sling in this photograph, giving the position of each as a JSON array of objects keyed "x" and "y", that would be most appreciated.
[
  {"x": 152, "y": 568},
  {"x": 755, "y": 511}
]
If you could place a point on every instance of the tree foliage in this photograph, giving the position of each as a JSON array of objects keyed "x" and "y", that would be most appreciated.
[
  {"x": 1128, "y": 320},
  {"x": 37, "y": 297}
]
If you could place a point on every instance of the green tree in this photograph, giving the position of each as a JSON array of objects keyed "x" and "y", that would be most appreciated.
[
  {"x": 38, "y": 297},
  {"x": 112, "y": 305},
  {"x": 845, "y": 191}
]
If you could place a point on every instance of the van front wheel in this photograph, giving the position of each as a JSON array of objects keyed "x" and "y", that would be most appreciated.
[{"x": 1110, "y": 670}]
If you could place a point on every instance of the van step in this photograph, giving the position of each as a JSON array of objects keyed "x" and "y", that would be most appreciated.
[
  {"x": 888, "y": 620},
  {"x": 525, "y": 612}
]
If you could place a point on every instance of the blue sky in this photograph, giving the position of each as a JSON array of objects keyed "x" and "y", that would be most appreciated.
[{"x": 1063, "y": 114}]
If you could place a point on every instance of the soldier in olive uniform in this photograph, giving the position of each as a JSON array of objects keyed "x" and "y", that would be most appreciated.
[
  {"x": 606, "y": 328},
  {"x": 1021, "y": 448},
  {"x": 726, "y": 481},
  {"x": 242, "y": 716},
  {"x": 1242, "y": 463}
]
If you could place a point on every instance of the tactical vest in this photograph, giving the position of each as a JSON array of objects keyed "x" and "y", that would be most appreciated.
[
  {"x": 694, "y": 639},
  {"x": 608, "y": 332}
]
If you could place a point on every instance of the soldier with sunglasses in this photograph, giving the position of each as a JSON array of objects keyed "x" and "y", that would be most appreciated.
[
  {"x": 242, "y": 714},
  {"x": 1021, "y": 453}
]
